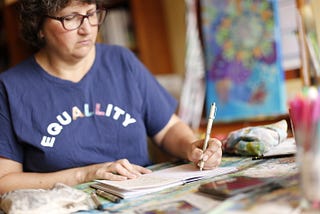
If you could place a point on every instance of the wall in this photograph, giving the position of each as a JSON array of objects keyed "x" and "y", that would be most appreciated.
[
  {"x": 175, "y": 20},
  {"x": 6, "y": 2}
]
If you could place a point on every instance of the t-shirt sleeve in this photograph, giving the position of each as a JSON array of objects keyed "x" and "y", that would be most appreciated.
[
  {"x": 9, "y": 147},
  {"x": 159, "y": 105}
]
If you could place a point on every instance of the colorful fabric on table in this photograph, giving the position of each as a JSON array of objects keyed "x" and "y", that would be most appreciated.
[{"x": 256, "y": 140}]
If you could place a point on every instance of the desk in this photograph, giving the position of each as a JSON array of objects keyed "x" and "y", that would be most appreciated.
[{"x": 283, "y": 200}]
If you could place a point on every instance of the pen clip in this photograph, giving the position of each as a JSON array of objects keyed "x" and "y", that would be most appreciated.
[{"x": 213, "y": 110}]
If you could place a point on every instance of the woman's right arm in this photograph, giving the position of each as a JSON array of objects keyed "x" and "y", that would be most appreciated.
[{"x": 12, "y": 176}]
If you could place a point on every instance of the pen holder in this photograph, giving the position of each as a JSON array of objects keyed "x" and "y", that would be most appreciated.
[{"x": 305, "y": 117}]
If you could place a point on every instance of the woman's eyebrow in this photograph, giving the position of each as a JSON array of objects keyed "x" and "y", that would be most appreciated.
[{"x": 66, "y": 13}]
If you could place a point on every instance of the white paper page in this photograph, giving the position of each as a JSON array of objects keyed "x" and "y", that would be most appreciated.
[
  {"x": 137, "y": 192},
  {"x": 178, "y": 174}
]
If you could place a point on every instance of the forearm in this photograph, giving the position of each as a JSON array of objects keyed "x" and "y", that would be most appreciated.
[
  {"x": 178, "y": 140},
  {"x": 24, "y": 180},
  {"x": 117, "y": 170}
]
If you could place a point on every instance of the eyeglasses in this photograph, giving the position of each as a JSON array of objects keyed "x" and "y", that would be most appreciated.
[{"x": 74, "y": 21}]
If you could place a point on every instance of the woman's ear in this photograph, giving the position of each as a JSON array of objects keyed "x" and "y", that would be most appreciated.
[{"x": 40, "y": 34}]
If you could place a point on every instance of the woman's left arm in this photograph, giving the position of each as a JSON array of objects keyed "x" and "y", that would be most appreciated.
[{"x": 179, "y": 140}]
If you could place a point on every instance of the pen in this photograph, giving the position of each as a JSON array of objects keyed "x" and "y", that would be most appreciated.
[
  {"x": 272, "y": 156},
  {"x": 106, "y": 195},
  {"x": 96, "y": 200},
  {"x": 208, "y": 131}
]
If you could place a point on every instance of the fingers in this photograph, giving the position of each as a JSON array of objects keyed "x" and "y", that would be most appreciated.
[
  {"x": 211, "y": 156},
  {"x": 214, "y": 146},
  {"x": 121, "y": 170},
  {"x": 196, "y": 152},
  {"x": 213, "y": 159}
]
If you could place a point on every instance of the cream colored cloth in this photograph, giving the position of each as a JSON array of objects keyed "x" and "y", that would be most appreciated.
[{"x": 60, "y": 199}]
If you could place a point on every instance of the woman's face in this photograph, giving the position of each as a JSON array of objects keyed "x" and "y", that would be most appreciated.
[{"x": 70, "y": 44}]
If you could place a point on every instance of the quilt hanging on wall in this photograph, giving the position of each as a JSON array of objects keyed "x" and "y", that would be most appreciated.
[{"x": 244, "y": 75}]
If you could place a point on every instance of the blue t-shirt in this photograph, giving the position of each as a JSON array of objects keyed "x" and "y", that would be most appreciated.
[{"x": 50, "y": 124}]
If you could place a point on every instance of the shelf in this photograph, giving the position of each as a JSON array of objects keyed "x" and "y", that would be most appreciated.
[
  {"x": 292, "y": 74},
  {"x": 144, "y": 23}
]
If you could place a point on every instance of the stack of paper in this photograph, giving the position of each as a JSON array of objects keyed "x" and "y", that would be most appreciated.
[{"x": 159, "y": 180}]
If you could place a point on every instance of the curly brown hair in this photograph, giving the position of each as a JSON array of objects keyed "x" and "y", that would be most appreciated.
[{"x": 33, "y": 12}]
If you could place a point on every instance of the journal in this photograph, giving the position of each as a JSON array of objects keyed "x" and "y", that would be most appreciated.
[{"x": 159, "y": 180}]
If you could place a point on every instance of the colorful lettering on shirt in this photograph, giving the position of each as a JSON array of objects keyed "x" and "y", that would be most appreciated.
[{"x": 64, "y": 119}]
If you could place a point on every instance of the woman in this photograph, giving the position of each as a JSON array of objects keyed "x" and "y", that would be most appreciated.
[{"x": 78, "y": 111}]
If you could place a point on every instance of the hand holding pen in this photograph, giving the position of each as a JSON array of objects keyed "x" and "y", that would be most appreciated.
[{"x": 205, "y": 157}]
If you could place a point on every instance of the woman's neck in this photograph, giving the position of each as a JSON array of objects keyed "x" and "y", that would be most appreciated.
[{"x": 73, "y": 70}]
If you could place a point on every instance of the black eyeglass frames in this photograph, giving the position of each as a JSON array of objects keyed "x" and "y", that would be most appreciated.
[{"x": 74, "y": 21}]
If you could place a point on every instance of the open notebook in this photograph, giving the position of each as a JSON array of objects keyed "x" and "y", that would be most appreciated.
[{"x": 159, "y": 180}]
